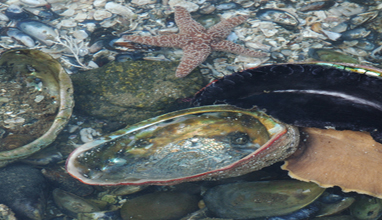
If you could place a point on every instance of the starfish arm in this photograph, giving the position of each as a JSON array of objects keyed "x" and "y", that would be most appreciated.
[
  {"x": 185, "y": 23},
  {"x": 171, "y": 40},
  {"x": 221, "y": 30},
  {"x": 229, "y": 46},
  {"x": 193, "y": 56}
]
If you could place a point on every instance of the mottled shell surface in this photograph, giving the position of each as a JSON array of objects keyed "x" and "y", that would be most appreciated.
[
  {"x": 317, "y": 94},
  {"x": 193, "y": 144},
  {"x": 36, "y": 66}
]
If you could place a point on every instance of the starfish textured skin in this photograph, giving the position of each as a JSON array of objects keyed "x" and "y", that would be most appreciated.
[{"x": 196, "y": 41}]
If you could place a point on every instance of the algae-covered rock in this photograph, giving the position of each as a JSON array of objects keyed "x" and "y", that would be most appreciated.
[
  {"x": 134, "y": 90},
  {"x": 330, "y": 55}
]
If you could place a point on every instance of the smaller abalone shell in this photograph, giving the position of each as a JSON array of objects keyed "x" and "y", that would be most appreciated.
[
  {"x": 260, "y": 199},
  {"x": 43, "y": 120},
  {"x": 192, "y": 144}
]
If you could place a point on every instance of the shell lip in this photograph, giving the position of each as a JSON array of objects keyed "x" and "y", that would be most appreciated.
[{"x": 76, "y": 174}]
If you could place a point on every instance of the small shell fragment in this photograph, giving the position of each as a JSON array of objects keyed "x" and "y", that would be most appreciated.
[
  {"x": 38, "y": 30},
  {"x": 278, "y": 16}
]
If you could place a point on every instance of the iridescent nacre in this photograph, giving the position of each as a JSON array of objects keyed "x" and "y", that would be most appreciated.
[
  {"x": 192, "y": 144},
  {"x": 37, "y": 102}
]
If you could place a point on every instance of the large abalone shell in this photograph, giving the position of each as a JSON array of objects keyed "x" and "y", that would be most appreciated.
[
  {"x": 322, "y": 95},
  {"x": 192, "y": 144}
]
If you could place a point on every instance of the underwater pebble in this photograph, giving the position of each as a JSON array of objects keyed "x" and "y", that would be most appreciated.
[
  {"x": 101, "y": 15},
  {"x": 59, "y": 178},
  {"x": 38, "y": 30},
  {"x": 22, "y": 189},
  {"x": 69, "y": 12},
  {"x": 159, "y": 205},
  {"x": 39, "y": 98},
  {"x": 248, "y": 200},
  {"x": 126, "y": 190},
  {"x": 143, "y": 2},
  {"x": 34, "y": 3},
  {"x": 15, "y": 12},
  {"x": 366, "y": 208},
  {"x": 68, "y": 23},
  {"x": 190, "y": 6},
  {"x": 3, "y": 99},
  {"x": 80, "y": 34},
  {"x": 99, "y": 3},
  {"x": 119, "y": 9},
  {"x": 6, "y": 213},
  {"x": 226, "y": 6},
  {"x": 71, "y": 204},
  {"x": 280, "y": 17},
  {"x": 16, "y": 120},
  {"x": 81, "y": 17},
  {"x": 21, "y": 37},
  {"x": 87, "y": 134}
]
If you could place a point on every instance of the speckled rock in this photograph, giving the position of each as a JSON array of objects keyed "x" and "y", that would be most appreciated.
[
  {"x": 134, "y": 90},
  {"x": 22, "y": 190},
  {"x": 159, "y": 205}
]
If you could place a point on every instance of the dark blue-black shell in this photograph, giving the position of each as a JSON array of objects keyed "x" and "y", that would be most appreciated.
[{"x": 305, "y": 95}]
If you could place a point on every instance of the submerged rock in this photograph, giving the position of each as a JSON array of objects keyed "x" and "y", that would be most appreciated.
[
  {"x": 22, "y": 189},
  {"x": 132, "y": 91},
  {"x": 160, "y": 205}
]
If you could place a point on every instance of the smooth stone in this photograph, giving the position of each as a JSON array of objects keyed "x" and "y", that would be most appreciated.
[
  {"x": 22, "y": 190},
  {"x": 71, "y": 204},
  {"x": 330, "y": 55},
  {"x": 160, "y": 206},
  {"x": 249, "y": 200},
  {"x": 133, "y": 91},
  {"x": 61, "y": 179}
]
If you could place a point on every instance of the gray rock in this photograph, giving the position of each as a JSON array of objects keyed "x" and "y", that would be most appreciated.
[
  {"x": 22, "y": 189},
  {"x": 132, "y": 91}
]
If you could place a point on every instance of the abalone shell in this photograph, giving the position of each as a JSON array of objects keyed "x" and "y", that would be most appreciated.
[
  {"x": 193, "y": 144},
  {"x": 322, "y": 95}
]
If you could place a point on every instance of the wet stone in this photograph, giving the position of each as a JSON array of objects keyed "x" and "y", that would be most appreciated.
[
  {"x": 331, "y": 56},
  {"x": 22, "y": 190},
  {"x": 61, "y": 179},
  {"x": 132, "y": 91},
  {"x": 160, "y": 205}
]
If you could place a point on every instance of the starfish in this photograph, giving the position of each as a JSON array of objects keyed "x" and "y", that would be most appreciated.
[{"x": 196, "y": 41}]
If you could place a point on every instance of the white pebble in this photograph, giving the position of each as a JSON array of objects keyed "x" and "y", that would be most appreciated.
[
  {"x": 39, "y": 98},
  {"x": 119, "y": 9},
  {"x": 34, "y": 3},
  {"x": 3, "y": 99},
  {"x": 87, "y": 134},
  {"x": 143, "y": 2},
  {"x": 17, "y": 120},
  {"x": 99, "y": 3},
  {"x": 190, "y": 6},
  {"x": 81, "y": 16},
  {"x": 68, "y": 23},
  {"x": 3, "y": 17},
  {"x": 70, "y": 12},
  {"x": 101, "y": 15},
  {"x": 80, "y": 34}
]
